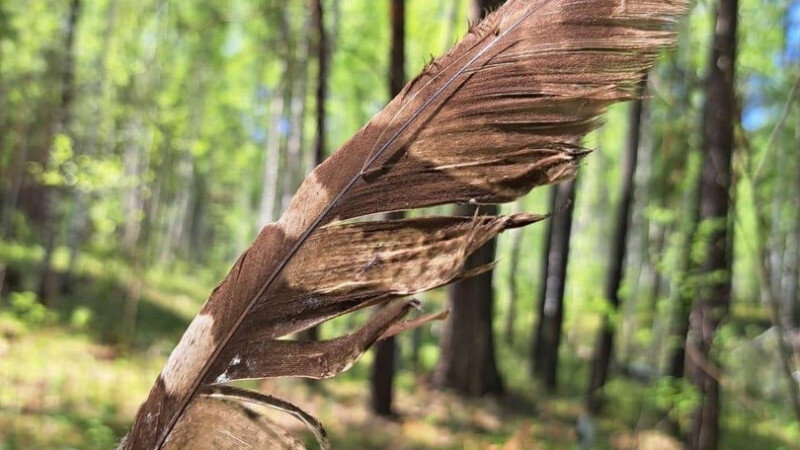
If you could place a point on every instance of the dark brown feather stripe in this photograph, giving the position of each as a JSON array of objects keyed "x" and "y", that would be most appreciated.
[{"x": 502, "y": 112}]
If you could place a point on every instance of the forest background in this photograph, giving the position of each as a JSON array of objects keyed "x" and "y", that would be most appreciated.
[{"x": 144, "y": 143}]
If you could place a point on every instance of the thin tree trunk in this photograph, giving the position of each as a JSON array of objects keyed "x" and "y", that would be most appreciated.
[
  {"x": 513, "y": 291},
  {"x": 179, "y": 212},
  {"x": 682, "y": 289},
  {"x": 322, "y": 50},
  {"x": 552, "y": 307},
  {"x": 48, "y": 283},
  {"x": 266, "y": 212},
  {"x": 655, "y": 323},
  {"x": 681, "y": 304},
  {"x": 281, "y": 112},
  {"x": 323, "y": 58},
  {"x": 294, "y": 170},
  {"x": 12, "y": 192},
  {"x": 135, "y": 160},
  {"x": 604, "y": 346},
  {"x": 713, "y": 301},
  {"x": 77, "y": 220},
  {"x": 793, "y": 289},
  {"x": 383, "y": 367},
  {"x": 537, "y": 344}
]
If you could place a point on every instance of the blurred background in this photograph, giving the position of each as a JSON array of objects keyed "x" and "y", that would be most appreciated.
[{"x": 144, "y": 143}]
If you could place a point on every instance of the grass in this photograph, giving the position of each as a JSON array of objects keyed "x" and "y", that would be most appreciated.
[{"x": 73, "y": 377}]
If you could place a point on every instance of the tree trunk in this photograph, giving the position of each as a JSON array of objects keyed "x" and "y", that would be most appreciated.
[
  {"x": 467, "y": 361},
  {"x": 513, "y": 292},
  {"x": 604, "y": 346},
  {"x": 714, "y": 231},
  {"x": 271, "y": 161},
  {"x": 383, "y": 367},
  {"x": 322, "y": 50},
  {"x": 537, "y": 341},
  {"x": 48, "y": 283},
  {"x": 548, "y": 333},
  {"x": 135, "y": 159},
  {"x": 323, "y": 57},
  {"x": 793, "y": 288},
  {"x": 294, "y": 170},
  {"x": 280, "y": 102}
]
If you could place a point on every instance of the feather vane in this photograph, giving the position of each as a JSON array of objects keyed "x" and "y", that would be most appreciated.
[{"x": 501, "y": 113}]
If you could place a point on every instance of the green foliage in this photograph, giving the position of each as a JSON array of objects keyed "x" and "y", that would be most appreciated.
[
  {"x": 26, "y": 307},
  {"x": 678, "y": 397},
  {"x": 159, "y": 175},
  {"x": 81, "y": 317}
]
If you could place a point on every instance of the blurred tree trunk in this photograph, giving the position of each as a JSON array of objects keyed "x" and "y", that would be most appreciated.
[
  {"x": 294, "y": 171},
  {"x": 513, "y": 292},
  {"x": 77, "y": 220},
  {"x": 135, "y": 160},
  {"x": 383, "y": 367},
  {"x": 271, "y": 159},
  {"x": 467, "y": 361},
  {"x": 322, "y": 50},
  {"x": 548, "y": 333},
  {"x": 657, "y": 293},
  {"x": 6, "y": 204},
  {"x": 5, "y": 207},
  {"x": 793, "y": 289},
  {"x": 537, "y": 341},
  {"x": 682, "y": 295},
  {"x": 714, "y": 231},
  {"x": 48, "y": 282},
  {"x": 604, "y": 346},
  {"x": 682, "y": 289},
  {"x": 280, "y": 103}
]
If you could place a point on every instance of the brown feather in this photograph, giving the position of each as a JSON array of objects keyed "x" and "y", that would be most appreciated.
[{"x": 502, "y": 112}]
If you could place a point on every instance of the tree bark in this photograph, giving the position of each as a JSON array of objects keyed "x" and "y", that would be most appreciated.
[
  {"x": 322, "y": 50},
  {"x": 793, "y": 289},
  {"x": 537, "y": 344},
  {"x": 323, "y": 56},
  {"x": 467, "y": 361},
  {"x": 271, "y": 160},
  {"x": 513, "y": 292},
  {"x": 383, "y": 367},
  {"x": 48, "y": 283},
  {"x": 604, "y": 346},
  {"x": 280, "y": 102},
  {"x": 294, "y": 170},
  {"x": 714, "y": 230},
  {"x": 548, "y": 333}
]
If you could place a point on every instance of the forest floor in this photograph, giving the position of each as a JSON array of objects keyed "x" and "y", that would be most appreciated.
[{"x": 74, "y": 374}]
